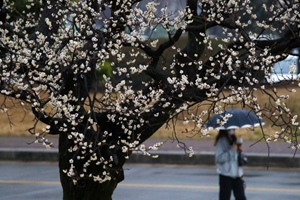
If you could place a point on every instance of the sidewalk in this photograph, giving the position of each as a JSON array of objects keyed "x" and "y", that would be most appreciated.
[{"x": 274, "y": 154}]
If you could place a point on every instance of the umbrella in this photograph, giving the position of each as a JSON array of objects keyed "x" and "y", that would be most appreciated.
[{"x": 233, "y": 119}]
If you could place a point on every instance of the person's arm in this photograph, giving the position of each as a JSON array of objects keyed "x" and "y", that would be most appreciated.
[{"x": 224, "y": 153}]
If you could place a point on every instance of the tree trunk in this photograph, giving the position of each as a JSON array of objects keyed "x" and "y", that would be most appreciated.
[{"x": 86, "y": 189}]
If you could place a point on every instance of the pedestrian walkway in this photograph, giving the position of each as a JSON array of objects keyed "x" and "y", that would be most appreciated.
[
  {"x": 198, "y": 145},
  {"x": 260, "y": 153}
]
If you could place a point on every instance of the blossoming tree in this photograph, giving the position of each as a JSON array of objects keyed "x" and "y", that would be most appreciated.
[{"x": 53, "y": 53}]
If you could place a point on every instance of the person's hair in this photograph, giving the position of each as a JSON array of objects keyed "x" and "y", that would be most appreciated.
[{"x": 224, "y": 133}]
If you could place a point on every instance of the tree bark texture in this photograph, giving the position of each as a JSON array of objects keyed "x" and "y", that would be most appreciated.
[{"x": 86, "y": 189}]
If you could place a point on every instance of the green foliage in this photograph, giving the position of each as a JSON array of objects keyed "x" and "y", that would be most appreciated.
[
  {"x": 18, "y": 8},
  {"x": 104, "y": 70},
  {"x": 22, "y": 9},
  {"x": 257, "y": 133}
]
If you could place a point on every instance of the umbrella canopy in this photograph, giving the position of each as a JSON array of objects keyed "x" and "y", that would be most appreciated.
[{"x": 233, "y": 119}]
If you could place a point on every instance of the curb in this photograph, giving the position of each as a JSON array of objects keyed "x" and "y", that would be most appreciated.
[
  {"x": 164, "y": 157},
  {"x": 28, "y": 155},
  {"x": 208, "y": 158}
]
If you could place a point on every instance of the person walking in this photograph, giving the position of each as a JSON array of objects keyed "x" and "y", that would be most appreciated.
[{"x": 227, "y": 152}]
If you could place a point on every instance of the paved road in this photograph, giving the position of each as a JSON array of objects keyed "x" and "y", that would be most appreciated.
[
  {"x": 194, "y": 183},
  {"x": 35, "y": 181}
]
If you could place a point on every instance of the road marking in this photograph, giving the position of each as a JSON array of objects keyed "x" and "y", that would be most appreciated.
[{"x": 134, "y": 185}]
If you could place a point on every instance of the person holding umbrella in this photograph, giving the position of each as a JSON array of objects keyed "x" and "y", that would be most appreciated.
[
  {"x": 230, "y": 170},
  {"x": 228, "y": 156}
]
